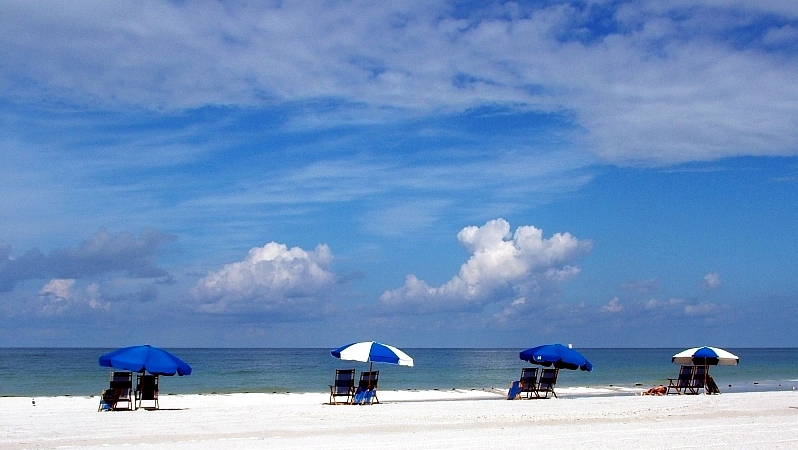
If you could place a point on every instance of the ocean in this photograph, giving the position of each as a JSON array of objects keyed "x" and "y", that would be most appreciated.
[{"x": 39, "y": 372}]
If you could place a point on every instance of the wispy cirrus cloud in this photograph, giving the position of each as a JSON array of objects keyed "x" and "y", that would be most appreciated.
[
  {"x": 232, "y": 123},
  {"x": 657, "y": 308},
  {"x": 657, "y": 84},
  {"x": 641, "y": 286}
]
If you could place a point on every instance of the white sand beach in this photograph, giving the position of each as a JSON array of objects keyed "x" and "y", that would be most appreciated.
[{"x": 427, "y": 419}]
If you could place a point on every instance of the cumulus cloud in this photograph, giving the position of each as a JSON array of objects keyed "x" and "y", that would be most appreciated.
[
  {"x": 613, "y": 306},
  {"x": 58, "y": 289},
  {"x": 272, "y": 280},
  {"x": 711, "y": 281},
  {"x": 102, "y": 253},
  {"x": 59, "y": 295},
  {"x": 521, "y": 267}
]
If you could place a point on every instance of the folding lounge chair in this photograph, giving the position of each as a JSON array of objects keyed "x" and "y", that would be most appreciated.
[
  {"x": 548, "y": 378},
  {"x": 681, "y": 384},
  {"x": 367, "y": 388},
  {"x": 712, "y": 388},
  {"x": 344, "y": 387},
  {"x": 515, "y": 391},
  {"x": 119, "y": 391},
  {"x": 147, "y": 390},
  {"x": 108, "y": 400},
  {"x": 699, "y": 380},
  {"x": 529, "y": 381}
]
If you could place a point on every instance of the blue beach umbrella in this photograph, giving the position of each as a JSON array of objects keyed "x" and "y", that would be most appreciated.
[
  {"x": 372, "y": 352},
  {"x": 141, "y": 358},
  {"x": 705, "y": 356},
  {"x": 557, "y": 355}
]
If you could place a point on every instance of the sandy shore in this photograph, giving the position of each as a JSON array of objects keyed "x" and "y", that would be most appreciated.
[{"x": 427, "y": 419}]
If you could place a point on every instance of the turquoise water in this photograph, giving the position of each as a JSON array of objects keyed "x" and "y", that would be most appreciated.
[{"x": 36, "y": 372}]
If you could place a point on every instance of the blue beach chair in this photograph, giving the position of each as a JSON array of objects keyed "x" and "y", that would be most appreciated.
[
  {"x": 548, "y": 378},
  {"x": 118, "y": 393},
  {"x": 147, "y": 390},
  {"x": 366, "y": 393},
  {"x": 515, "y": 390},
  {"x": 529, "y": 381},
  {"x": 699, "y": 380},
  {"x": 344, "y": 386},
  {"x": 681, "y": 384}
]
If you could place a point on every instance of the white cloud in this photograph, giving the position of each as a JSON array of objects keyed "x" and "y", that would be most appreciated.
[
  {"x": 273, "y": 280},
  {"x": 503, "y": 267},
  {"x": 613, "y": 306},
  {"x": 641, "y": 286},
  {"x": 700, "y": 309},
  {"x": 58, "y": 289},
  {"x": 711, "y": 280},
  {"x": 102, "y": 253},
  {"x": 94, "y": 298},
  {"x": 671, "y": 303},
  {"x": 60, "y": 295},
  {"x": 676, "y": 306},
  {"x": 666, "y": 86}
]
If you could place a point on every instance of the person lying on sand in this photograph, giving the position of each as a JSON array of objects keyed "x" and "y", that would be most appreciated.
[{"x": 657, "y": 390}]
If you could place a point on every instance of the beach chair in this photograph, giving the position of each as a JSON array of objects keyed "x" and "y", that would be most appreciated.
[
  {"x": 367, "y": 388},
  {"x": 344, "y": 386},
  {"x": 681, "y": 384},
  {"x": 108, "y": 400},
  {"x": 118, "y": 393},
  {"x": 528, "y": 382},
  {"x": 515, "y": 390},
  {"x": 548, "y": 378},
  {"x": 147, "y": 390},
  {"x": 712, "y": 388},
  {"x": 698, "y": 380}
]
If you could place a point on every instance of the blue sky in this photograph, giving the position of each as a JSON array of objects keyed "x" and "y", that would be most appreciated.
[{"x": 427, "y": 174}]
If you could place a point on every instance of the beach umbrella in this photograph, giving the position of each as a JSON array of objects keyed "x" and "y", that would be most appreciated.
[
  {"x": 557, "y": 355},
  {"x": 372, "y": 352},
  {"x": 705, "y": 356},
  {"x": 141, "y": 358}
]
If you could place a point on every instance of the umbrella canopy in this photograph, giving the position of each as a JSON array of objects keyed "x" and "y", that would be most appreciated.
[
  {"x": 371, "y": 351},
  {"x": 556, "y": 355},
  {"x": 142, "y": 358},
  {"x": 703, "y": 356}
]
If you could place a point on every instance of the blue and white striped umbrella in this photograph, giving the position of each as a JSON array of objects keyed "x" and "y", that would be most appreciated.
[
  {"x": 702, "y": 356},
  {"x": 371, "y": 351}
]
